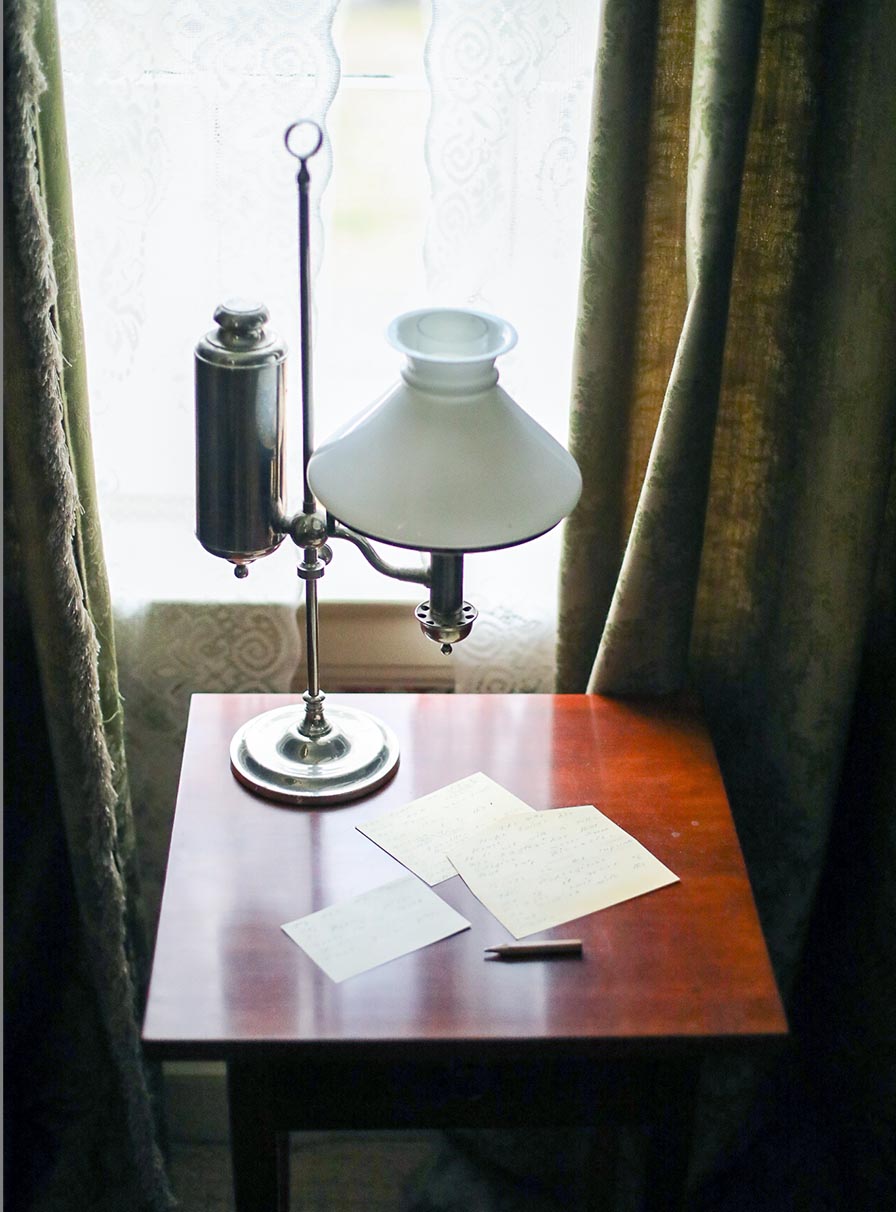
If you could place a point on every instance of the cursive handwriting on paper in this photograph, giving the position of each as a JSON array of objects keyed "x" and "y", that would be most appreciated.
[{"x": 537, "y": 871}]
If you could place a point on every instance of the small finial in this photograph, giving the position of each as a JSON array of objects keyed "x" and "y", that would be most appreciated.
[
  {"x": 240, "y": 571},
  {"x": 303, "y": 139},
  {"x": 446, "y": 650}
]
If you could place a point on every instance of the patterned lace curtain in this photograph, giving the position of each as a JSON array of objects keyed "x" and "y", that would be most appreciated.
[
  {"x": 452, "y": 173},
  {"x": 184, "y": 195},
  {"x": 507, "y": 150}
]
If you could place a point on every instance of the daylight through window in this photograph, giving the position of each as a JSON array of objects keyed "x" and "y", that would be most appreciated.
[{"x": 453, "y": 174}]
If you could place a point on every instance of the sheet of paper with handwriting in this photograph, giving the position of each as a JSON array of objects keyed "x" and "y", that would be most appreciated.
[
  {"x": 374, "y": 927},
  {"x": 538, "y": 870},
  {"x": 421, "y": 833}
]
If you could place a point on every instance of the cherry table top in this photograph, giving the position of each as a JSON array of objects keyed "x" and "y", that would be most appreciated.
[{"x": 686, "y": 964}]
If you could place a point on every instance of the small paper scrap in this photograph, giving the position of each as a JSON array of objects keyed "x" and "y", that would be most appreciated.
[
  {"x": 421, "y": 833},
  {"x": 374, "y": 927},
  {"x": 537, "y": 871}
]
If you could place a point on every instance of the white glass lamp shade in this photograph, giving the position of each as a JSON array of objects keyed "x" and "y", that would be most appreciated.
[{"x": 445, "y": 460}]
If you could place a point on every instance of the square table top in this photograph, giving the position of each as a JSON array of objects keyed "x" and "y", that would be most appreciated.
[{"x": 686, "y": 964}]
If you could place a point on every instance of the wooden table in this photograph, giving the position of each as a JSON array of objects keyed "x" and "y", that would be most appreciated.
[{"x": 440, "y": 1037}]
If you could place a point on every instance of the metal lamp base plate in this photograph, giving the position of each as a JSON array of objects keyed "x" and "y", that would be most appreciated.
[{"x": 272, "y": 758}]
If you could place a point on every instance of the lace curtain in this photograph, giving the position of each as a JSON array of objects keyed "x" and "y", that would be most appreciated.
[
  {"x": 452, "y": 173},
  {"x": 506, "y": 151},
  {"x": 184, "y": 195}
]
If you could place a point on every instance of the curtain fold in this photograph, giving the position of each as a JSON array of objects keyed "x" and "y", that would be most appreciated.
[
  {"x": 735, "y": 417},
  {"x": 653, "y": 268},
  {"x": 82, "y": 1111},
  {"x": 644, "y": 645}
]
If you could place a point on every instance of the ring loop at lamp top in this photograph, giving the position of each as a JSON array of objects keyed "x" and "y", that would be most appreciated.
[{"x": 446, "y": 460}]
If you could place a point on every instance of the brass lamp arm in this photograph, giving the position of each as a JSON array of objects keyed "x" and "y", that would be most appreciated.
[{"x": 420, "y": 576}]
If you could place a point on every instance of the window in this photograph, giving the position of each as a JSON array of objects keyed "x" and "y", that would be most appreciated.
[{"x": 453, "y": 173}]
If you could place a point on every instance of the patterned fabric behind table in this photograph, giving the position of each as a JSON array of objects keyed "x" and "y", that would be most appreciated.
[
  {"x": 506, "y": 151},
  {"x": 167, "y": 652},
  {"x": 507, "y": 652}
]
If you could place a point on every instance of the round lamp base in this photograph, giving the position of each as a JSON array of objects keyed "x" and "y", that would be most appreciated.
[{"x": 271, "y": 757}]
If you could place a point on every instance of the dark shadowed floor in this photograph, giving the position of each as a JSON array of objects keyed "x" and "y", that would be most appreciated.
[{"x": 330, "y": 1172}]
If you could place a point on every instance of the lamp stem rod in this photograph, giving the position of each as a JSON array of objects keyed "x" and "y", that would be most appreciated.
[
  {"x": 312, "y": 643},
  {"x": 303, "y": 178},
  {"x": 303, "y": 140}
]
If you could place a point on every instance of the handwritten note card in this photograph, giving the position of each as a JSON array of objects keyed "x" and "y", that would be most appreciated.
[
  {"x": 536, "y": 871},
  {"x": 375, "y": 927},
  {"x": 421, "y": 833}
]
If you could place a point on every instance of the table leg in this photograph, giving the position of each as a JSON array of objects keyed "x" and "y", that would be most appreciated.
[
  {"x": 259, "y": 1151},
  {"x": 595, "y": 1190},
  {"x": 670, "y": 1136}
]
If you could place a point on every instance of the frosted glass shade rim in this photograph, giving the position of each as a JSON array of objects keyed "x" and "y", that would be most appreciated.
[{"x": 451, "y": 335}]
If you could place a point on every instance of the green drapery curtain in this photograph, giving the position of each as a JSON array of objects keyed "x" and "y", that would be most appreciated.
[
  {"x": 80, "y": 1131},
  {"x": 734, "y": 416}
]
